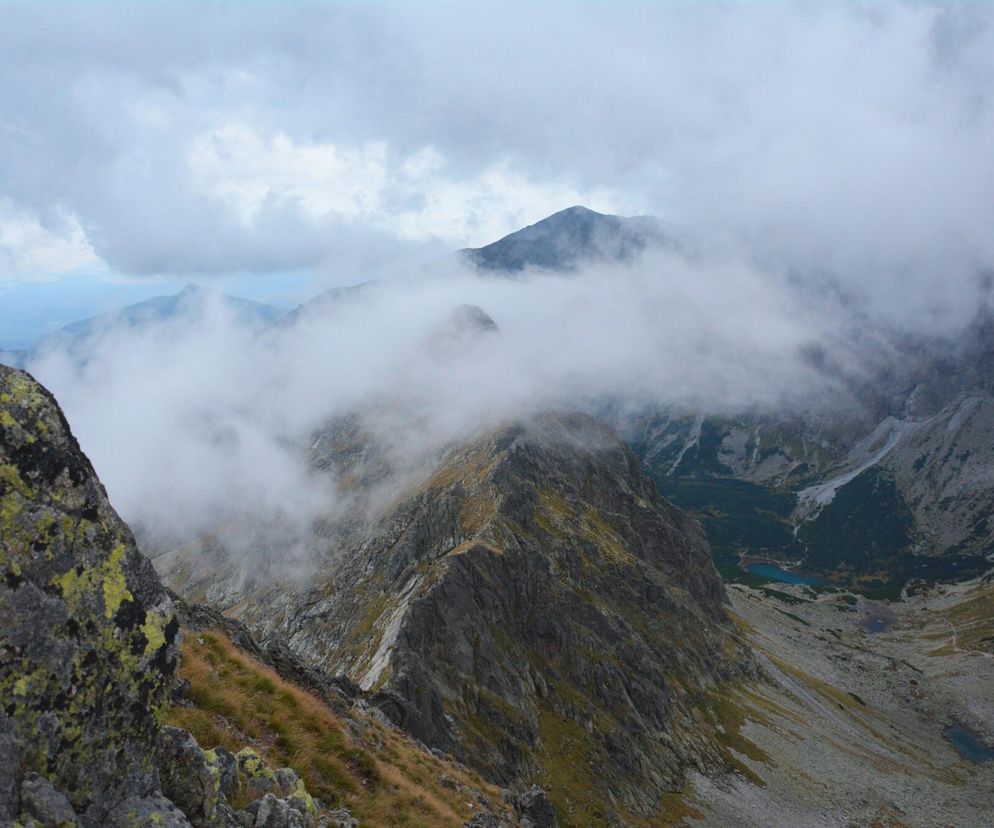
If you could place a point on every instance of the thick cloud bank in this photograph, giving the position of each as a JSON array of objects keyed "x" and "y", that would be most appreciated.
[
  {"x": 849, "y": 139},
  {"x": 831, "y": 162},
  {"x": 201, "y": 422}
]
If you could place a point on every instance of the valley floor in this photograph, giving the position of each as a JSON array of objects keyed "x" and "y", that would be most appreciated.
[{"x": 853, "y": 711}]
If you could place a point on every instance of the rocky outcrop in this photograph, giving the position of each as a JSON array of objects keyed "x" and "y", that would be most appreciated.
[
  {"x": 87, "y": 643},
  {"x": 535, "y": 609},
  {"x": 88, "y": 649}
]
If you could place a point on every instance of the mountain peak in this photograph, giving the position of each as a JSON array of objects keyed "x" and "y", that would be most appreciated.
[
  {"x": 565, "y": 240},
  {"x": 577, "y": 210}
]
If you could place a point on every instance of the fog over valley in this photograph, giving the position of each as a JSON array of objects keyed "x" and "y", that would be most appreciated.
[{"x": 521, "y": 415}]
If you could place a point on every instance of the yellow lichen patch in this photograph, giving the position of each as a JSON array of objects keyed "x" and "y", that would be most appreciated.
[
  {"x": 154, "y": 632},
  {"x": 115, "y": 586},
  {"x": 108, "y": 577},
  {"x": 11, "y": 479},
  {"x": 25, "y": 390}
]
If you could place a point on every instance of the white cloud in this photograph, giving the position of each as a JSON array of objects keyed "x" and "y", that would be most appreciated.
[
  {"x": 415, "y": 197},
  {"x": 200, "y": 423},
  {"x": 851, "y": 139},
  {"x": 31, "y": 251}
]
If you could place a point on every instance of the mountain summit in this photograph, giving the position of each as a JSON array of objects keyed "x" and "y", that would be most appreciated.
[{"x": 566, "y": 239}]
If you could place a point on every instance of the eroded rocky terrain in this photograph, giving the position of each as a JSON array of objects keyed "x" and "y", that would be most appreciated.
[{"x": 852, "y": 723}]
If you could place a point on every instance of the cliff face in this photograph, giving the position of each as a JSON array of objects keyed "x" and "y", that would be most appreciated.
[
  {"x": 89, "y": 644},
  {"x": 87, "y": 640},
  {"x": 533, "y": 607}
]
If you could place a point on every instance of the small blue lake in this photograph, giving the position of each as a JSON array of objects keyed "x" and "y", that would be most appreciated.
[
  {"x": 968, "y": 744},
  {"x": 768, "y": 570}
]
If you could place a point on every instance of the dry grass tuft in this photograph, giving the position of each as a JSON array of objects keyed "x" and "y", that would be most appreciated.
[{"x": 238, "y": 702}]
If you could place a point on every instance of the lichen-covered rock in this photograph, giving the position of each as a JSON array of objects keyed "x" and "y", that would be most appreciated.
[
  {"x": 261, "y": 783},
  {"x": 197, "y": 780},
  {"x": 227, "y": 767},
  {"x": 88, "y": 638},
  {"x": 272, "y": 812},
  {"x": 142, "y": 812},
  {"x": 40, "y": 801},
  {"x": 257, "y": 777}
]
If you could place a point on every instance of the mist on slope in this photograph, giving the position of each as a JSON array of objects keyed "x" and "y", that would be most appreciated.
[{"x": 201, "y": 423}]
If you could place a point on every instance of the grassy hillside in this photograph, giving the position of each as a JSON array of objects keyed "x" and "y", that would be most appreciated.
[{"x": 385, "y": 780}]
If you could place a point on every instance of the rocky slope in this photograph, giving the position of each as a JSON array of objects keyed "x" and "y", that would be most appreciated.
[
  {"x": 89, "y": 644},
  {"x": 531, "y": 606},
  {"x": 88, "y": 639},
  {"x": 867, "y": 714}
]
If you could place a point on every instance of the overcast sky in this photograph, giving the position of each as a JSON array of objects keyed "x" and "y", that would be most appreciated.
[{"x": 273, "y": 148}]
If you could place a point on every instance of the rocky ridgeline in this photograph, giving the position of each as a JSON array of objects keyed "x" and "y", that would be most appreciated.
[
  {"x": 531, "y": 606},
  {"x": 88, "y": 649}
]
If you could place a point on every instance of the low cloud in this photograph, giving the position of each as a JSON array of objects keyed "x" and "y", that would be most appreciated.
[{"x": 201, "y": 423}]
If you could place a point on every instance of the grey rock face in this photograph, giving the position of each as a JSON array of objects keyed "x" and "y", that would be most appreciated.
[
  {"x": 10, "y": 749},
  {"x": 140, "y": 812},
  {"x": 88, "y": 630},
  {"x": 270, "y": 812},
  {"x": 536, "y": 809},
  {"x": 339, "y": 818},
  {"x": 487, "y": 820},
  {"x": 40, "y": 801},
  {"x": 196, "y": 780}
]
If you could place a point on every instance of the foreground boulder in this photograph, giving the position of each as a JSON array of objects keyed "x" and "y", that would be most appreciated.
[{"x": 87, "y": 641}]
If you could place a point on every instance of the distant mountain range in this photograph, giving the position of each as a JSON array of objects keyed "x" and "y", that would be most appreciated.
[
  {"x": 892, "y": 482},
  {"x": 190, "y": 301}
]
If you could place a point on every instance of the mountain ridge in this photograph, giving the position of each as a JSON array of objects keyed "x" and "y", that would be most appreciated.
[{"x": 472, "y": 607}]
